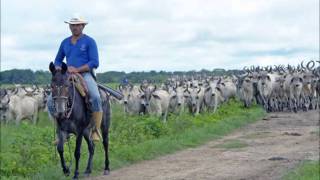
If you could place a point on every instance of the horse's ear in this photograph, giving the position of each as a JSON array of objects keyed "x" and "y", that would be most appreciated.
[
  {"x": 52, "y": 68},
  {"x": 64, "y": 68}
]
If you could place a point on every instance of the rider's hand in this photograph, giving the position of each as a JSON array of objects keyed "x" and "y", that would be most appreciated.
[{"x": 72, "y": 69}]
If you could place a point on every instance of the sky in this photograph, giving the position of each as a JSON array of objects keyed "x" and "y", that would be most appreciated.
[{"x": 169, "y": 35}]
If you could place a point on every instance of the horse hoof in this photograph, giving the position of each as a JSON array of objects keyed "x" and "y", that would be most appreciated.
[
  {"x": 106, "y": 172},
  {"x": 87, "y": 174},
  {"x": 76, "y": 175},
  {"x": 66, "y": 172}
]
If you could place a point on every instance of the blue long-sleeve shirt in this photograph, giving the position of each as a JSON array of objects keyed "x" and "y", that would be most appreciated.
[{"x": 85, "y": 51}]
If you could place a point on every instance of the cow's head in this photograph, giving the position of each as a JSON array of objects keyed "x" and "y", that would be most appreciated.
[
  {"x": 194, "y": 96},
  {"x": 126, "y": 92},
  {"x": 180, "y": 93},
  {"x": 264, "y": 78},
  {"x": 4, "y": 104},
  {"x": 146, "y": 94},
  {"x": 308, "y": 78},
  {"x": 280, "y": 81},
  {"x": 296, "y": 81}
]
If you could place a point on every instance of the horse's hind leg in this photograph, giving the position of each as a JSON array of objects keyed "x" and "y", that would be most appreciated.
[
  {"x": 91, "y": 151},
  {"x": 77, "y": 155},
  {"x": 105, "y": 136}
]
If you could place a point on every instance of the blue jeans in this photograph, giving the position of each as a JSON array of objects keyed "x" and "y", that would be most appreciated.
[{"x": 94, "y": 95}]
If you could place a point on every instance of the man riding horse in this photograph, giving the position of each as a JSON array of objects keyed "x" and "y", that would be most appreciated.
[{"x": 82, "y": 57}]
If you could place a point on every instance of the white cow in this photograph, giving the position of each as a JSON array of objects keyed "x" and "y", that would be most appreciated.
[
  {"x": 195, "y": 101},
  {"x": 213, "y": 97},
  {"x": 21, "y": 107},
  {"x": 131, "y": 100},
  {"x": 177, "y": 100},
  {"x": 155, "y": 101},
  {"x": 228, "y": 88}
]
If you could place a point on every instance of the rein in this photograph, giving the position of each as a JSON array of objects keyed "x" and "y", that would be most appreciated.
[
  {"x": 69, "y": 110},
  {"x": 74, "y": 93},
  {"x": 72, "y": 78}
]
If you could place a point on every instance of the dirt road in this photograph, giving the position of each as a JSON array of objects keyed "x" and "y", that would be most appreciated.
[{"x": 263, "y": 150}]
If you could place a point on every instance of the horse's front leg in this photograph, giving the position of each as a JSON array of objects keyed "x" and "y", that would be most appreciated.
[
  {"x": 90, "y": 144},
  {"x": 61, "y": 137},
  {"x": 77, "y": 155}
]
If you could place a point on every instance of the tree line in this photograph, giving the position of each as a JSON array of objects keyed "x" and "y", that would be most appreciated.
[{"x": 27, "y": 76}]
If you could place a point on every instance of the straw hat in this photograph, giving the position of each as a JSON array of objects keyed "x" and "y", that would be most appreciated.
[{"x": 76, "y": 20}]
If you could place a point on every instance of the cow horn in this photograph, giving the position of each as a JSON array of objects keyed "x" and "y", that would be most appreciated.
[
  {"x": 282, "y": 68},
  {"x": 175, "y": 87},
  {"x": 246, "y": 69},
  {"x": 8, "y": 101},
  {"x": 120, "y": 87},
  {"x": 308, "y": 65},
  {"x": 131, "y": 86},
  {"x": 290, "y": 68},
  {"x": 298, "y": 67},
  {"x": 15, "y": 91},
  {"x": 301, "y": 64},
  {"x": 186, "y": 90},
  {"x": 27, "y": 91},
  {"x": 5, "y": 93},
  {"x": 141, "y": 88},
  {"x": 219, "y": 81},
  {"x": 258, "y": 68},
  {"x": 294, "y": 69},
  {"x": 199, "y": 90},
  {"x": 252, "y": 68}
]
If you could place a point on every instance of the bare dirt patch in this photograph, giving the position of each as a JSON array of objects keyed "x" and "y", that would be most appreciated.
[{"x": 263, "y": 150}]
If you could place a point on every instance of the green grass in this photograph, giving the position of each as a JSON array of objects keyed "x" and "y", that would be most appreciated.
[
  {"x": 257, "y": 135},
  {"x": 112, "y": 85},
  {"x": 317, "y": 132},
  {"x": 308, "y": 170},
  {"x": 27, "y": 150},
  {"x": 232, "y": 144}
]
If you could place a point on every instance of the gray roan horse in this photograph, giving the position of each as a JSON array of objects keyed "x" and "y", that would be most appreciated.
[{"x": 73, "y": 116}]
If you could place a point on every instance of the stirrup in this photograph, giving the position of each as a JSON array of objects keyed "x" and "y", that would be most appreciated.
[{"x": 95, "y": 135}]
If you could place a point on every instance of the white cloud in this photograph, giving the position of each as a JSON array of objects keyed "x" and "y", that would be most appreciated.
[
  {"x": 9, "y": 41},
  {"x": 164, "y": 35}
]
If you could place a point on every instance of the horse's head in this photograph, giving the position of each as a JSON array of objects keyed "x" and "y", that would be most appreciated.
[{"x": 60, "y": 89}]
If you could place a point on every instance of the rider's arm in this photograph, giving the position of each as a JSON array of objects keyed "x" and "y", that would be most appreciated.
[
  {"x": 60, "y": 56},
  {"x": 93, "y": 55},
  {"x": 84, "y": 68}
]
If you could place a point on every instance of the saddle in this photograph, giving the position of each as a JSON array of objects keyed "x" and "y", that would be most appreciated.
[
  {"x": 79, "y": 83},
  {"x": 81, "y": 86}
]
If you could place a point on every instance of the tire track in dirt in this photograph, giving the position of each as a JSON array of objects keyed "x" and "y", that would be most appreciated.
[{"x": 266, "y": 149}]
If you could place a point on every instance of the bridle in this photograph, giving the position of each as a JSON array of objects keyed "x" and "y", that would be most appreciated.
[{"x": 65, "y": 99}]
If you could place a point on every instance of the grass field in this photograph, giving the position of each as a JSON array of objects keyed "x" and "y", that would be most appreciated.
[
  {"x": 27, "y": 151},
  {"x": 308, "y": 170}
]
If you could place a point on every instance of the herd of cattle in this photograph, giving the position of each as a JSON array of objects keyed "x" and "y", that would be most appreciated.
[
  {"x": 276, "y": 88},
  {"x": 22, "y": 102}
]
